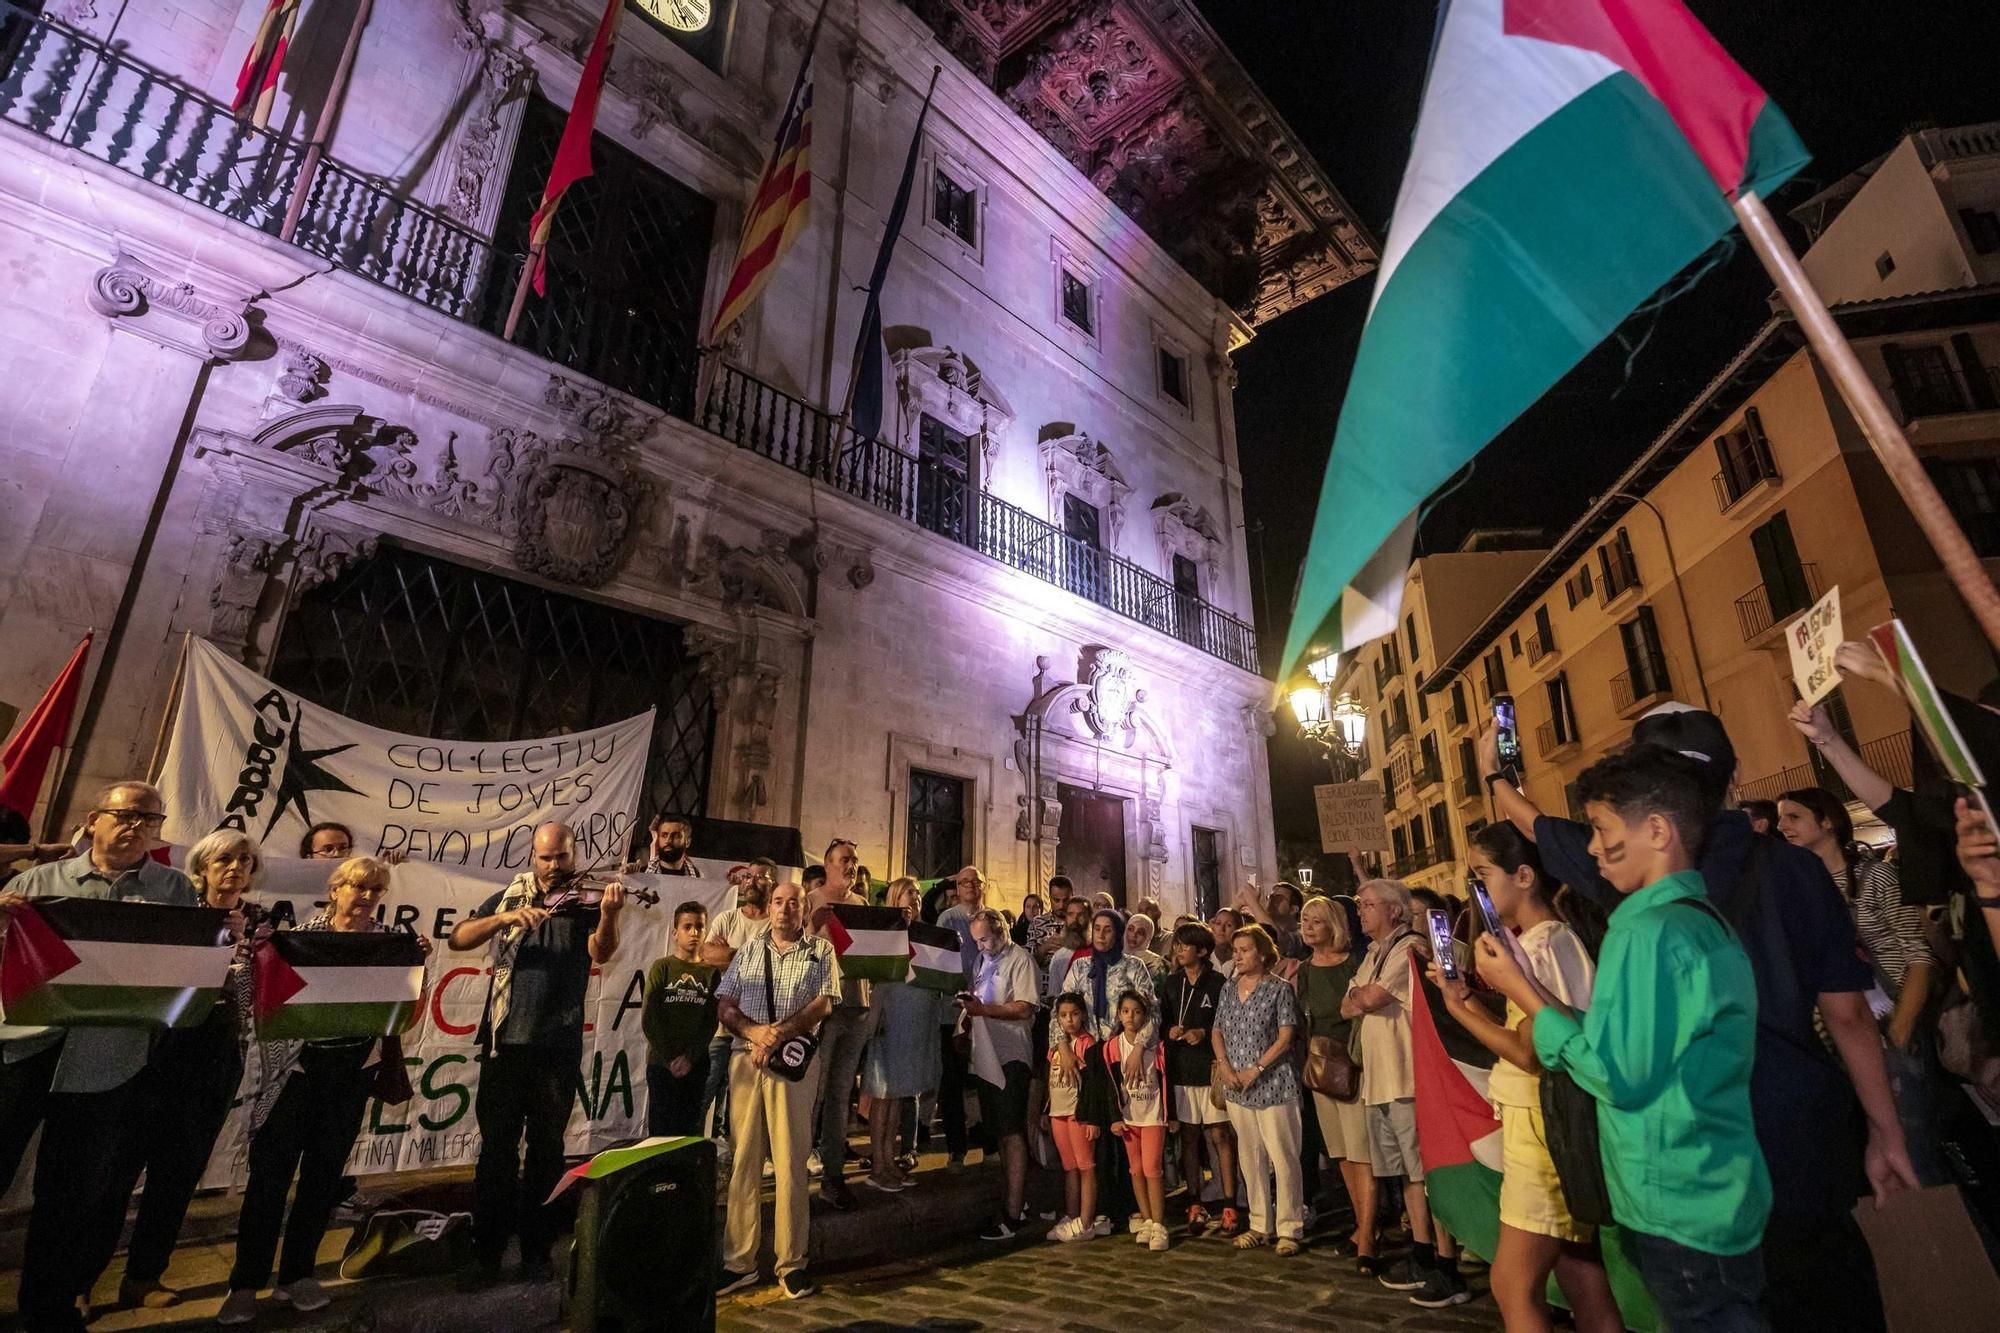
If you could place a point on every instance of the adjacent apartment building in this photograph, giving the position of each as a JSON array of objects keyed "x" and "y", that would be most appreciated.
[
  {"x": 1014, "y": 629},
  {"x": 1419, "y": 743},
  {"x": 1678, "y": 581}
]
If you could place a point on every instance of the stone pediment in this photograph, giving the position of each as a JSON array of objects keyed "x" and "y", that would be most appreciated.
[{"x": 1144, "y": 100}]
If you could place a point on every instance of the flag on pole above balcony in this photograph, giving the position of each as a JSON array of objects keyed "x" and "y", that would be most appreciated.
[
  {"x": 778, "y": 210},
  {"x": 257, "y": 81},
  {"x": 572, "y": 162},
  {"x": 1571, "y": 156},
  {"x": 864, "y": 380}
]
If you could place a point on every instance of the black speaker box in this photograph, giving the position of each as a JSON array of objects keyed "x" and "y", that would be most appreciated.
[{"x": 644, "y": 1257}]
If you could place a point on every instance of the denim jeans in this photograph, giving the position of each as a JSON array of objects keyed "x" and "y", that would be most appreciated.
[
  {"x": 1698, "y": 1292},
  {"x": 715, "y": 1091}
]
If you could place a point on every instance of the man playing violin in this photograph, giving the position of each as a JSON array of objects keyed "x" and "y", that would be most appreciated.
[{"x": 531, "y": 1042}]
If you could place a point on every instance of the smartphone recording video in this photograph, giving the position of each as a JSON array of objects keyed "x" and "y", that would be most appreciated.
[{"x": 1441, "y": 945}]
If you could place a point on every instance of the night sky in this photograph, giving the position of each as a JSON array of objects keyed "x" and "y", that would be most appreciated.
[{"x": 1852, "y": 75}]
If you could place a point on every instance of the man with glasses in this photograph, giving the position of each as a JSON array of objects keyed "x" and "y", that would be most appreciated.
[
  {"x": 327, "y": 841},
  {"x": 77, "y": 1086},
  {"x": 844, "y": 1034}
]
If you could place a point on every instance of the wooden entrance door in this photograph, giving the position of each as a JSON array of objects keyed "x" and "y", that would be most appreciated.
[{"x": 1091, "y": 846}]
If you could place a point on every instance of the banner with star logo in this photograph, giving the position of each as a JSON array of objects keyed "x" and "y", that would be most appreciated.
[{"x": 247, "y": 755}]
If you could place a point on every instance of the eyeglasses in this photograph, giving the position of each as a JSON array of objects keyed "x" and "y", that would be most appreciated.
[{"x": 133, "y": 818}]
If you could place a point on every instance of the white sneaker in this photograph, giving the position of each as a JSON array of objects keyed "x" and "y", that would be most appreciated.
[
  {"x": 814, "y": 1167},
  {"x": 1101, "y": 1227},
  {"x": 1062, "y": 1225},
  {"x": 1135, "y": 1221},
  {"x": 769, "y": 1170},
  {"x": 1142, "y": 1232},
  {"x": 239, "y": 1308},
  {"x": 1157, "y": 1238},
  {"x": 1074, "y": 1230},
  {"x": 725, "y": 1156},
  {"x": 305, "y": 1294}
]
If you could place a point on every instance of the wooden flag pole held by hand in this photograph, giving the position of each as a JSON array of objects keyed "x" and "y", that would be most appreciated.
[
  {"x": 323, "y": 122},
  {"x": 1877, "y": 423}
]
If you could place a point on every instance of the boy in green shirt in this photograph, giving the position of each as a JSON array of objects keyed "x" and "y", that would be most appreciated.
[
  {"x": 1665, "y": 1047},
  {"x": 678, "y": 1017}
]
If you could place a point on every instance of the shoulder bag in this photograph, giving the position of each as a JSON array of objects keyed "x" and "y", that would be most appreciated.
[
  {"x": 792, "y": 1057},
  {"x": 1330, "y": 1068},
  {"x": 1569, "y": 1118}
]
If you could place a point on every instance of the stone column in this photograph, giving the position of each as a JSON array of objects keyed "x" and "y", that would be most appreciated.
[{"x": 100, "y": 525}]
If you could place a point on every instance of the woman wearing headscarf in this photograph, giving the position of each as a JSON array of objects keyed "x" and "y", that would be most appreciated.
[
  {"x": 1107, "y": 973},
  {"x": 1140, "y": 932}
]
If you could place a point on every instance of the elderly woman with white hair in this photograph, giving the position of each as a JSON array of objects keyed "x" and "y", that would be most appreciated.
[
  {"x": 1379, "y": 997},
  {"x": 184, "y": 1093},
  {"x": 305, "y": 1115}
]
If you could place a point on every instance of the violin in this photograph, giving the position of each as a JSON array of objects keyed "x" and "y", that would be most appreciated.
[{"x": 574, "y": 892}]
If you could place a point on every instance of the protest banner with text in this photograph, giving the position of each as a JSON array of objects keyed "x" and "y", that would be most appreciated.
[
  {"x": 1350, "y": 817},
  {"x": 248, "y": 755}
]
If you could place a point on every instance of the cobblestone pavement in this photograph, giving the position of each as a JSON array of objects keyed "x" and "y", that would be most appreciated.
[{"x": 1110, "y": 1285}]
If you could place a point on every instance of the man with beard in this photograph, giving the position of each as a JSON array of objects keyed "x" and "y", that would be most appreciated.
[{"x": 673, "y": 836}]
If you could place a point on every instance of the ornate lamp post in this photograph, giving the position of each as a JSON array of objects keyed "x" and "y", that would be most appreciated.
[{"x": 1337, "y": 725}]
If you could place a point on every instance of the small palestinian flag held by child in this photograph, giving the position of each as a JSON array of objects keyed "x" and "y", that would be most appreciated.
[
  {"x": 313, "y": 985},
  {"x": 934, "y": 958},
  {"x": 872, "y": 943},
  {"x": 98, "y": 962}
]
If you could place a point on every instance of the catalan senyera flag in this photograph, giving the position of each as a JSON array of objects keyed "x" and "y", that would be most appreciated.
[
  {"x": 573, "y": 162},
  {"x": 778, "y": 211},
  {"x": 98, "y": 962},
  {"x": 257, "y": 81},
  {"x": 1571, "y": 156},
  {"x": 872, "y": 943},
  {"x": 935, "y": 960},
  {"x": 312, "y": 985}
]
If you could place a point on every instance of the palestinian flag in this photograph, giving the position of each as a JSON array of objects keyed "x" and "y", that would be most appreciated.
[
  {"x": 98, "y": 962},
  {"x": 311, "y": 985},
  {"x": 1458, "y": 1134},
  {"x": 935, "y": 962},
  {"x": 618, "y": 1159},
  {"x": 1571, "y": 156},
  {"x": 872, "y": 943}
]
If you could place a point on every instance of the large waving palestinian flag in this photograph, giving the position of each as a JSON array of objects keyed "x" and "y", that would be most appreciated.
[
  {"x": 97, "y": 962},
  {"x": 872, "y": 943},
  {"x": 1571, "y": 156},
  {"x": 311, "y": 985}
]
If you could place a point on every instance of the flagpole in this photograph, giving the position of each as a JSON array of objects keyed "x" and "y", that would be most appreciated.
[
  {"x": 521, "y": 291},
  {"x": 323, "y": 122},
  {"x": 171, "y": 713},
  {"x": 1877, "y": 423}
]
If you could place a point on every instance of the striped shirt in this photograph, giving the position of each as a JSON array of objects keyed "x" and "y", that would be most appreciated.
[
  {"x": 1892, "y": 934},
  {"x": 799, "y": 975}
]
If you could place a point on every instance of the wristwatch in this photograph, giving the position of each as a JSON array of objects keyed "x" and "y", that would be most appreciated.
[{"x": 1506, "y": 775}]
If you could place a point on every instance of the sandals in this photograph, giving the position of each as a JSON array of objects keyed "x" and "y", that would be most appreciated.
[
  {"x": 1251, "y": 1240},
  {"x": 1287, "y": 1247},
  {"x": 1370, "y": 1265}
]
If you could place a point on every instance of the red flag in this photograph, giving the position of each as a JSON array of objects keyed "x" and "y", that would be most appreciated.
[
  {"x": 572, "y": 162},
  {"x": 257, "y": 81},
  {"x": 26, "y": 757}
]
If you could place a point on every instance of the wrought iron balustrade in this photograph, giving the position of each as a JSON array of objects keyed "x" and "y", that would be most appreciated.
[
  {"x": 1427, "y": 773},
  {"x": 1888, "y": 756},
  {"x": 1617, "y": 574},
  {"x": 68, "y": 86},
  {"x": 1541, "y": 646},
  {"x": 1931, "y": 390},
  {"x": 1756, "y": 610},
  {"x": 755, "y": 415},
  {"x": 1549, "y": 739},
  {"x": 1631, "y": 688}
]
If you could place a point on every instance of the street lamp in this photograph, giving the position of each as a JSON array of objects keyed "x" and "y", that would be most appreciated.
[{"x": 1341, "y": 725}]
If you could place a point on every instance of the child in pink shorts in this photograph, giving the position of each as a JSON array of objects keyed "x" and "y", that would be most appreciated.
[
  {"x": 1142, "y": 1113},
  {"x": 1080, "y": 1100}
]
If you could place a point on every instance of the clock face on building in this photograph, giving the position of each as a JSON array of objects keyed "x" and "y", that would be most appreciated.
[{"x": 680, "y": 15}]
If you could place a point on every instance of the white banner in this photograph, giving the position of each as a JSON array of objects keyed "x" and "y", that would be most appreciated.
[
  {"x": 248, "y": 755},
  {"x": 437, "y": 1127}
]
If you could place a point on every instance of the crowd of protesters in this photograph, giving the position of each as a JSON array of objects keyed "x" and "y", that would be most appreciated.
[{"x": 1761, "y": 1018}]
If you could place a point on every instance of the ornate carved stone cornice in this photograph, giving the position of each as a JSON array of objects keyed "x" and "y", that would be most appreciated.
[
  {"x": 1144, "y": 100},
  {"x": 168, "y": 312}
]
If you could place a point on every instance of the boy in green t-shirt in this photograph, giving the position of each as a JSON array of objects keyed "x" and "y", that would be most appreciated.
[
  {"x": 678, "y": 1017},
  {"x": 1665, "y": 1047}
]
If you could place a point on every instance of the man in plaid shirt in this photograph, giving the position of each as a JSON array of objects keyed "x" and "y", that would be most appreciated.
[
  {"x": 1046, "y": 928},
  {"x": 781, "y": 984}
]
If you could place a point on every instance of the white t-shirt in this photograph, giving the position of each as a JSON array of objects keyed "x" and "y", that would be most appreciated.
[
  {"x": 735, "y": 929},
  {"x": 1062, "y": 1100},
  {"x": 1008, "y": 978},
  {"x": 1147, "y": 1103},
  {"x": 1559, "y": 961}
]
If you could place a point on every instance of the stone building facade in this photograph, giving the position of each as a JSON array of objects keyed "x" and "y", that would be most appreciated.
[{"x": 1013, "y": 631}]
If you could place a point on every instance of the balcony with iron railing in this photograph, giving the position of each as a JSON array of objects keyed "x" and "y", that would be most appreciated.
[
  {"x": 69, "y": 87},
  {"x": 1470, "y": 786},
  {"x": 1757, "y": 614},
  {"x": 1933, "y": 390},
  {"x": 1634, "y": 690},
  {"x": 1421, "y": 858},
  {"x": 1888, "y": 756},
  {"x": 1427, "y": 772},
  {"x": 1541, "y": 647},
  {"x": 1618, "y": 574},
  {"x": 1395, "y": 727},
  {"x": 1549, "y": 742},
  {"x": 1458, "y": 713}
]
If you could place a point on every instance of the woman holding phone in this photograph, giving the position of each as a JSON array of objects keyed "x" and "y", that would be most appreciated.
[{"x": 1537, "y": 1234}]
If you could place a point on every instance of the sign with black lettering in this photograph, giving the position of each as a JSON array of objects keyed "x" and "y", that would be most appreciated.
[
  {"x": 250, "y": 756},
  {"x": 1350, "y": 817}
]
